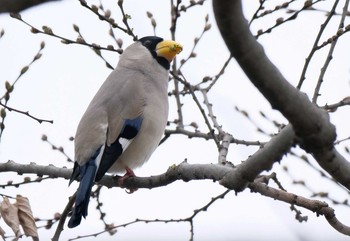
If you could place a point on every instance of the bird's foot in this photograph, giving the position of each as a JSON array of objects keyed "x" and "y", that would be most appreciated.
[{"x": 129, "y": 173}]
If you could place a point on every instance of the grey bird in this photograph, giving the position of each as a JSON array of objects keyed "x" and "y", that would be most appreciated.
[{"x": 125, "y": 121}]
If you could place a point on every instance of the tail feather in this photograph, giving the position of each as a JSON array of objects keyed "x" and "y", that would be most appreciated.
[
  {"x": 75, "y": 173},
  {"x": 87, "y": 175}
]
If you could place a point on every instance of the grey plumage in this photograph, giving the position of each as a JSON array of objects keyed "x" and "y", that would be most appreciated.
[{"x": 125, "y": 121}]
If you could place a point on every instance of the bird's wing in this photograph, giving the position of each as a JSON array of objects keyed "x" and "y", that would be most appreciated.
[
  {"x": 124, "y": 111},
  {"x": 111, "y": 152}
]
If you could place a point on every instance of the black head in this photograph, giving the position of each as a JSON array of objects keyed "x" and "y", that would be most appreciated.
[{"x": 150, "y": 42}]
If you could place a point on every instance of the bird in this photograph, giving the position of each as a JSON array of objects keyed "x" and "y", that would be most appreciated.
[{"x": 125, "y": 120}]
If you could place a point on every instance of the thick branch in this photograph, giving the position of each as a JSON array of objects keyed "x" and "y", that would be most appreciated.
[
  {"x": 8, "y": 6},
  {"x": 183, "y": 171},
  {"x": 34, "y": 168},
  {"x": 262, "y": 160},
  {"x": 311, "y": 124},
  {"x": 233, "y": 178},
  {"x": 187, "y": 172}
]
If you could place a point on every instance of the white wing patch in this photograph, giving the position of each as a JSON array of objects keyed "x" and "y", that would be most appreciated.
[
  {"x": 99, "y": 157},
  {"x": 125, "y": 142}
]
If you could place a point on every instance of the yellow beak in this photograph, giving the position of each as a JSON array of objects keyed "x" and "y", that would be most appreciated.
[{"x": 168, "y": 49}]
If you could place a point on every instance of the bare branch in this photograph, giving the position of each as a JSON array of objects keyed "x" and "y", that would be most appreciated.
[
  {"x": 262, "y": 160},
  {"x": 48, "y": 31},
  {"x": 110, "y": 20},
  {"x": 330, "y": 54},
  {"x": 185, "y": 172},
  {"x": 8, "y": 6},
  {"x": 316, "y": 133},
  {"x": 314, "y": 47},
  {"x": 280, "y": 21},
  {"x": 320, "y": 208},
  {"x": 334, "y": 107},
  {"x": 174, "y": 12},
  {"x": 63, "y": 217},
  {"x": 26, "y": 113}
]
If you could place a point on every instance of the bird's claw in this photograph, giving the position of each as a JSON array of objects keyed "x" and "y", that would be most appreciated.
[{"x": 129, "y": 173}]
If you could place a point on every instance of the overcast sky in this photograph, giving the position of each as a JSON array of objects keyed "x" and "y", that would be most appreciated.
[{"x": 60, "y": 85}]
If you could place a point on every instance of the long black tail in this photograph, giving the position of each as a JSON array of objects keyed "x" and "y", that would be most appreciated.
[{"x": 87, "y": 176}]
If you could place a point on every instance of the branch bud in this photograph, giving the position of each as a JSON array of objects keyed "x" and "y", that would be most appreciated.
[
  {"x": 38, "y": 56},
  {"x": 16, "y": 16},
  {"x": 24, "y": 69},
  {"x": 34, "y": 30},
  {"x": 44, "y": 137},
  {"x": 153, "y": 22},
  {"x": 8, "y": 87},
  {"x": 149, "y": 14},
  {"x": 340, "y": 31},
  {"x": 94, "y": 8},
  {"x": 307, "y": 3},
  {"x": 47, "y": 30},
  {"x": 108, "y": 13},
  {"x": 42, "y": 45},
  {"x": 207, "y": 27},
  {"x": 120, "y": 42},
  {"x": 80, "y": 40},
  {"x": 76, "y": 28},
  {"x": 3, "y": 113},
  {"x": 83, "y": 2},
  {"x": 347, "y": 27},
  {"x": 279, "y": 20}
]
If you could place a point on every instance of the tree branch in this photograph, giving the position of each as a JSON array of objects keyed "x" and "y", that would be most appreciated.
[
  {"x": 262, "y": 160},
  {"x": 26, "y": 113},
  {"x": 315, "y": 45},
  {"x": 185, "y": 172},
  {"x": 316, "y": 133},
  {"x": 8, "y": 6},
  {"x": 329, "y": 55},
  {"x": 318, "y": 207},
  {"x": 233, "y": 178}
]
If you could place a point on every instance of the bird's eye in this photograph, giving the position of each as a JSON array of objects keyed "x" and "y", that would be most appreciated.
[{"x": 147, "y": 43}]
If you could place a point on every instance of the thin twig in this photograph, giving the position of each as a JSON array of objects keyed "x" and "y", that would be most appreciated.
[
  {"x": 63, "y": 217},
  {"x": 26, "y": 113},
  {"x": 267, "y": 12},
  {"x": 206, "y": 120},
  {"x": 178, "y": 220},
  {"x": 255, "y": 15},
  {"x": 192, "y": 54},
  {"x": 174, "y": 16},
  {"x": 125, "y": 19},
  {"x": 330, "y": 55},
  {"x": 282, "y": 21},
  {"x": 110, "y": 20},
  {"x": 314, "y": 47},
  {"x": 48, "y": 31},
  {"x": 320, "y": 208},
  {"x": 221, "y": 72}
]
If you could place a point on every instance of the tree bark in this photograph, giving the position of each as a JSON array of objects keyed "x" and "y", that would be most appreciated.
[
  {"x": 315, "y": 132},
  {"x": 15, "y": 6}
]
